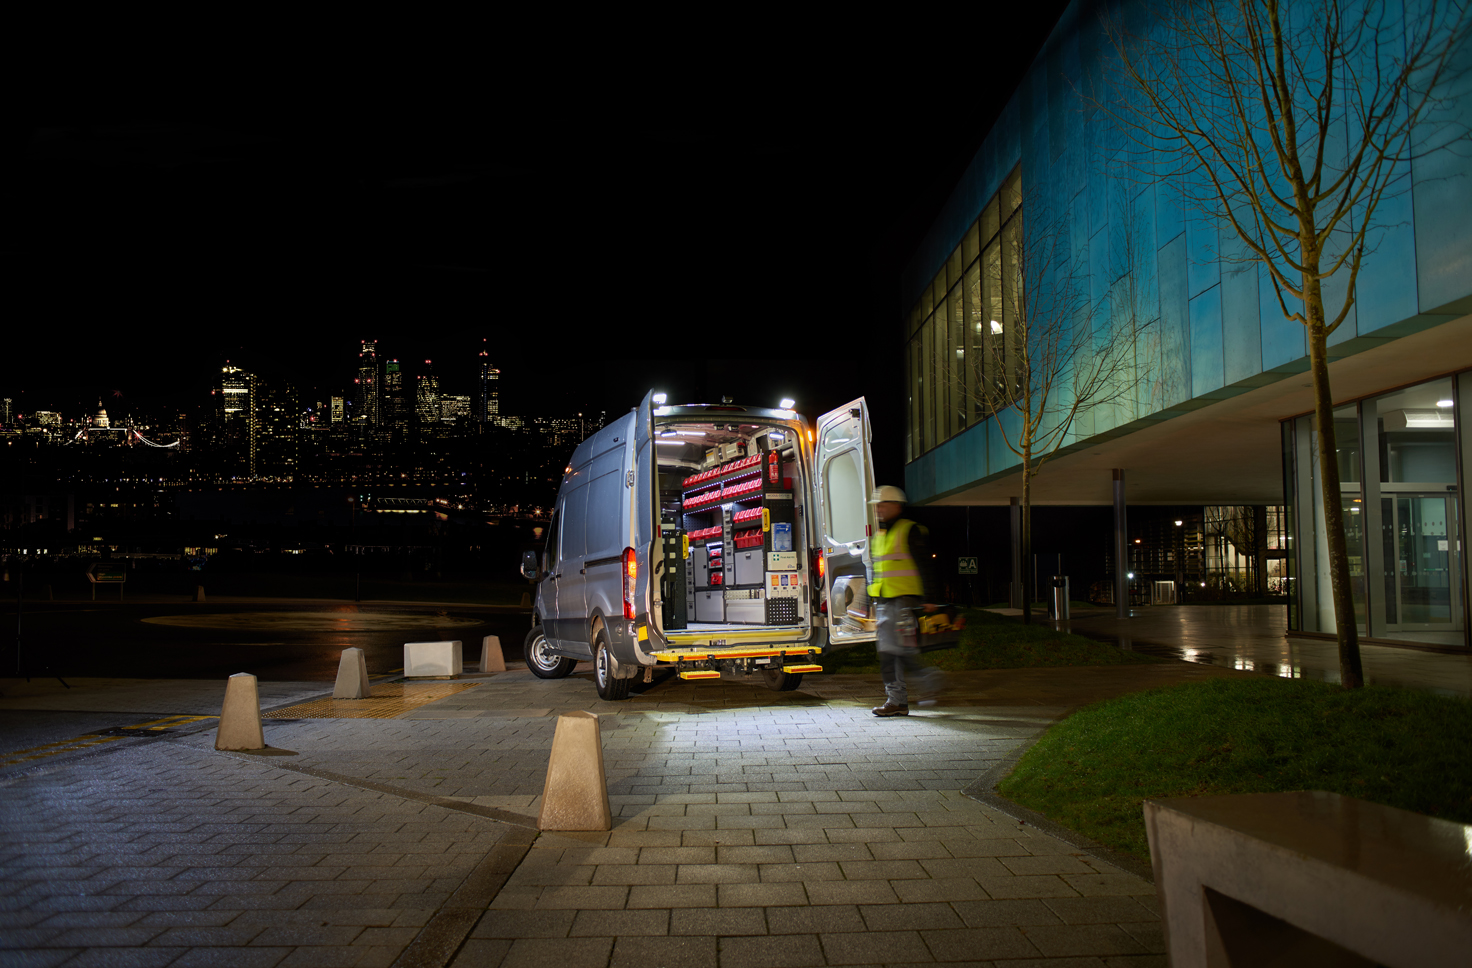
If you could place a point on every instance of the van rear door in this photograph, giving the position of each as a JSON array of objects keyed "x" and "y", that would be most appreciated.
[
  {"x": 843, "y": 479},
  {"x": 643, "y": 481}
]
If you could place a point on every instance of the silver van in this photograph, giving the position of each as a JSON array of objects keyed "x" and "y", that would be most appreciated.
[{"x": 713, "y": 539}]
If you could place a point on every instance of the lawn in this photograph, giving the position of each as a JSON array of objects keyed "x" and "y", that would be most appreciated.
[
  {"x": 1246, "y": 735},
  {"x": 994, "y": 641}
]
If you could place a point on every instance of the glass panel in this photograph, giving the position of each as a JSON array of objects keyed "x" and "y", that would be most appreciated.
[
  {"x": 1417, "y": 435},
  {"x": 1387, "y": 543},
  {"x": 926, "y": 305},
  {"x": 938, "y": 287},
  {"x": 989, "y": 222},
  {"x": 975, "y": 340},
  {"x": 1423, "y": 560},
  {"x": 942, "y": 371},
  {"x": 953, "y": 267},
  {"x": 1347, "y": 444},
  {"x": 1354, "y": 543},
  {"x": 1011, "y": 278},
  {"x": 969, "y": 245},
  {"x": 1011, "y": 194},
  {"x": 909, "y": 400},
  {"x": 927, "y": 393},
  {"x": 991, "y": 297},
  {"x": 957, "y": 362}
]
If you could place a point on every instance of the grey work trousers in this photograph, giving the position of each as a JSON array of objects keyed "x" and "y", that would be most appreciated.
[{"x": 898, "y": 661}]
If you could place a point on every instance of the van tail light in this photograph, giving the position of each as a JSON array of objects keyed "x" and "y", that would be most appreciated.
[{"x": 631, "y": 573}]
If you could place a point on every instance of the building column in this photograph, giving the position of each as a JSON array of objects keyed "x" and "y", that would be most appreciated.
[
  {"x": 1121, "y": 549},
  {"x": 1014, "y": 595}
]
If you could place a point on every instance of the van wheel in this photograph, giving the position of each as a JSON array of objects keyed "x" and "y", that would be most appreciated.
[
  {"x": 779, "y": 681},
  {"x": 609, "y": 688},
  {"x": 540, "y": 660}
]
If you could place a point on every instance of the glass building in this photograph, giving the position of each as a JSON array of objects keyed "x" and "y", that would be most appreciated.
[
  {"x": 1400, "y": 464},
  {"x": 1214, "y": 402}
]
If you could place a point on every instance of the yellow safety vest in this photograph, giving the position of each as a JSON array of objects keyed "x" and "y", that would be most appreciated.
[{"x": 895, "y": 572}]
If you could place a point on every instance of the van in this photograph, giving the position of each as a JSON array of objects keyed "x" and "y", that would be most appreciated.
[{"x": 711, "y": 539}]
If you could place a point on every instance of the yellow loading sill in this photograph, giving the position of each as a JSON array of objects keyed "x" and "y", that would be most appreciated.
[{"x": 697, "y": 654}]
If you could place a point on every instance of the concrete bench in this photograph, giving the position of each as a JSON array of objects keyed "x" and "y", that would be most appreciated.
[
  {"x": 1309, "y": 879},
  {"x": 433, "y": 660}
]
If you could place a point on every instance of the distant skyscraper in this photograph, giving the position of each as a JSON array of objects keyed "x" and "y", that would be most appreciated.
[
  {"x": 239, "y": 416},
  {"x": 5, "y": 416},
  {"x": 277, "y": 425},
  {"x": 490, "y": 389},
  {"x": 337, "y": 410},
  {"x": 395, "y": 403},
  {"x": 427, "y": 399},
  {"x": 368, "y": 384},
  {"x": 453, "y": 407}
]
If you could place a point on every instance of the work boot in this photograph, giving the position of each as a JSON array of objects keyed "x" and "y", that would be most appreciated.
[{"x": 890, "y": 709}]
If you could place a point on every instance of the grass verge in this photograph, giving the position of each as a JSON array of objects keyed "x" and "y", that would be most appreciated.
[
  {"x": 1262, "y": 735},
  {"x": 994, "y": 641}
]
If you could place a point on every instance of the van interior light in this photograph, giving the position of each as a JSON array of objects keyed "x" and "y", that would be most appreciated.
[
  {"x": 787, "y": 403},
  {"x": 659, "y": 398},
  {"x": 1443, "y": 403},
  {"x": 691, "y": 433},
  {"x": 662, "y": 440}
]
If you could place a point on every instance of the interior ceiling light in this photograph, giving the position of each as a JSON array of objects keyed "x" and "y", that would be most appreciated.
[
  {"x": 659, "y": 398},
  {"x": 1425, "y": 419},
  {"x": 787, "y": 403},
  {"x": 1443, "y": 403},
  {"x": 996, "y": 327}
]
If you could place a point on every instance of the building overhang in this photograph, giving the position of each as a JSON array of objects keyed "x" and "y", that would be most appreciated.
[{"x": 1222, "y": 447}]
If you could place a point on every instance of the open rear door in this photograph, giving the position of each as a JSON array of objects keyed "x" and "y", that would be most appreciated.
[
  {"x": 844, "y": 480},
  {"x": 642, "y": 481}
]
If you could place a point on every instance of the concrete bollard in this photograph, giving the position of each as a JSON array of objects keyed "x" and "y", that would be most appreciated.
[
  {"x": 352, "y": 676},
  {"x": 433, "y": 660},
  {"x": 491, "y": 658},
  {"x": 240, "y": 717},
  {"x": 575, "y": 796},
  {"x": 199, "y": 593}
]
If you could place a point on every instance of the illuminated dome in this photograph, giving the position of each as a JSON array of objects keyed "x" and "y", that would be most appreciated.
[{"x": 99, "y": 419}]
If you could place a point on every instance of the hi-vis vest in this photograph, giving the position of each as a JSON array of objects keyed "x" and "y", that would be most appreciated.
[{"x": 895, "y": 573}]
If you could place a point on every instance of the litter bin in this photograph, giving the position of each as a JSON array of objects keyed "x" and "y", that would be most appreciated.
[{"x": 1058, "y": 607}]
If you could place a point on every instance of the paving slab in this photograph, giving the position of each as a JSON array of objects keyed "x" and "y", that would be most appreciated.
[{"x": 750, "y": 828}]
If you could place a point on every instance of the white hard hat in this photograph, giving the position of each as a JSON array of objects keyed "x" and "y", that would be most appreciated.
[{"x": 888, "y": 492}]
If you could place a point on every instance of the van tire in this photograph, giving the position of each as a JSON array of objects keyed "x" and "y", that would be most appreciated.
[
  {"x": 544, "y": 665},
  {"x": 779, "y": 681},
  {"x": 609, "y": 688}
]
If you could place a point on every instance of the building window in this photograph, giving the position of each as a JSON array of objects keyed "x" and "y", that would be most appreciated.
[{"x": 966, "y": 349}]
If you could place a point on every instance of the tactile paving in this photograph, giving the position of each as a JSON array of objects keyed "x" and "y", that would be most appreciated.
[{"x": 389, "y": 700}]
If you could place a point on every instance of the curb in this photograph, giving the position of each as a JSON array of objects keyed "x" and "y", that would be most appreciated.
[{"x": 983, "y": 790}]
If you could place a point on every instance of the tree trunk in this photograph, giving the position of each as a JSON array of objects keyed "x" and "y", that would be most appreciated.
[
  {"x": 1026, "y": 513},
  {"x": 1351, "y": 674}
]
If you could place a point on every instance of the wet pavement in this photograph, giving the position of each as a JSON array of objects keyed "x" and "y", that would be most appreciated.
[
  {"x": 280, "y": 640},
  {"x": 1254, "y": 638}
]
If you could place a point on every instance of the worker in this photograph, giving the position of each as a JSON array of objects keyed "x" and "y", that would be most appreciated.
[{"x": 902, "y": 582}]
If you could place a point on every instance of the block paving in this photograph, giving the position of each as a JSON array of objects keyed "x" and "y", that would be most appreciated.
[{"x": 750, "y": 829}]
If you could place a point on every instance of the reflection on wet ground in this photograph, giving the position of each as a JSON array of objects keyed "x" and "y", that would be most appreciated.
[
  {"x": 348, "y": 619},
  {"x": 1253, "y": 638}
]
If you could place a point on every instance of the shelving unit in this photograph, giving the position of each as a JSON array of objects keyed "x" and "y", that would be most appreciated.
[{"x": 738, "y": 518}]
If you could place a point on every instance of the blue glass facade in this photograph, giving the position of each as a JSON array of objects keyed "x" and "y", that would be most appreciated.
[{"x": 1216, "y": 327}]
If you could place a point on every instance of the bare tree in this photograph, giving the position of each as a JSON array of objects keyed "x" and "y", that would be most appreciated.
[
  {"x": 1054, "y": 362},
  {"x": 1291, "y": 121}
]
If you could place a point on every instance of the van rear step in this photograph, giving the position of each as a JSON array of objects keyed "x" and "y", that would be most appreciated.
[{"x": 715, "y": 674}]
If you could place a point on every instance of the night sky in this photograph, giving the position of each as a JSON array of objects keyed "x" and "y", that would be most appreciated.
[{"x": 608, "y": 219}]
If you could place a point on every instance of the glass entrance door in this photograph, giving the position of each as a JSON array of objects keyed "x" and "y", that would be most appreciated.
[{"x": 1422, "y": 592}]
